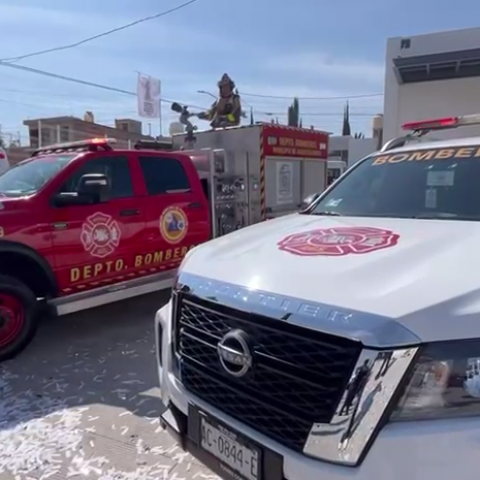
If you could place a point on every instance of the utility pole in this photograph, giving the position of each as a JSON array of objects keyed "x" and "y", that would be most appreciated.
[{"x": 2, "y": 141}]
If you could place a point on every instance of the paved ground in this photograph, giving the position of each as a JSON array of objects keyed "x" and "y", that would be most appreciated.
[{"x": 82, "y": 402}]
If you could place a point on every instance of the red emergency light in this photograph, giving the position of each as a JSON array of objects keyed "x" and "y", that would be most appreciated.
[
  {"x": 90, "y": 144},
  {"x": 442, "y": 123},
  {"x": 84, "y": 143},
  {"x": 439, "y": 123}
]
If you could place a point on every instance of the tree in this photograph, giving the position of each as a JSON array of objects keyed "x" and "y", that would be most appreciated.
[
  {"x": 346, "y": 130},
  {"x": 294, "y": 113}
]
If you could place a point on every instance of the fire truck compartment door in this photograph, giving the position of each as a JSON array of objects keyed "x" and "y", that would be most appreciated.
[{"x": 283, "y": 181}]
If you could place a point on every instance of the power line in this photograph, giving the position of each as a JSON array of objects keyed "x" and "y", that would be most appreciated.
[
  {"x": 126, "y": 92},
  {"x": 13, "y": 102},
  {"x": 81, "y": 82},
  {"x": 37, "y": 93},
  {"x": 315, "y": 114},
  {"x": 100, "y": 35},
  {"x": 166, "y": 100},
  {"x": 348, "y": 97},
  {"x": 259, "y": 110}
]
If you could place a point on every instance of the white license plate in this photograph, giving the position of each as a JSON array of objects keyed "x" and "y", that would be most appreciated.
[{"x": 223, "y": 445}]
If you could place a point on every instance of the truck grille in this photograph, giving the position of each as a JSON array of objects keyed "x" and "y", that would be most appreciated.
[{"x": 297, "y": 379}]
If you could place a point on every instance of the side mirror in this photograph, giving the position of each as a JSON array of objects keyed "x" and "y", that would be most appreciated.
[
  {"x": 309, "y": 200},
  {"x": 92, "y": 188},
  {"x": 94, "y": 185}
]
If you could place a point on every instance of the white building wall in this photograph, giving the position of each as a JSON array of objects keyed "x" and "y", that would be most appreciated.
[
  {"x": 360, "y": 148},
  {"x": 350, "y": 149},
  {"x": 444, "y": 98},
  {"x": 432, "y": 99}
]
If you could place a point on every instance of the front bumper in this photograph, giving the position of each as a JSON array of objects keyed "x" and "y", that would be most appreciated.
[{"x": 439, "y": 450}]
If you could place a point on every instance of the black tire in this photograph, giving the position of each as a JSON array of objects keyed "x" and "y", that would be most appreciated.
[{"x": 16, "y": 331}]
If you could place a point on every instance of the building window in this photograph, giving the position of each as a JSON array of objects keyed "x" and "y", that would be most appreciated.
[
  {"x": 342, "y": 154},
  {"x": 404, "y": 43},
  {"x": 64, "y": 133},
  {"x": 34, "y": 137},
  {"x": 124, "y": 126},
  {"x": 45, "y": 136}
]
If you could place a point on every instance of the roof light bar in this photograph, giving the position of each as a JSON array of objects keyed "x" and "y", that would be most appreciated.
[
  {"x": 442, "y": 123},
  {"x": 82, "y": 143},
  {"x": 91, "y": 143}
]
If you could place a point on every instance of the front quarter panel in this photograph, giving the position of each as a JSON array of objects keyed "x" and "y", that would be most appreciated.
[{"x": 26, "y": 221}]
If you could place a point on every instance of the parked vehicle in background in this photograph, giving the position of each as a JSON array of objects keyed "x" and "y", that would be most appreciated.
[{"x": 82, "y": 225}]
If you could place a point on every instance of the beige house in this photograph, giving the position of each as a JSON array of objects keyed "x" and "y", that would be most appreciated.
[{"x": 47, "y": 131}]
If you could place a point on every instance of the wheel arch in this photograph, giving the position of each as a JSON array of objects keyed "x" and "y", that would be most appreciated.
[{"x": 39, "y": 274}]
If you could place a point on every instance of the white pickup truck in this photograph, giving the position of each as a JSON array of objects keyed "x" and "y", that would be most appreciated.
[{"x": 342, "y": 342}]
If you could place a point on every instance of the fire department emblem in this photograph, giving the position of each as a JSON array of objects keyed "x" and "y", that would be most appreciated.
[
  {"x": 173, "y": 224},
  {"x": 340, "y": 241},
  {"x": 100, "y": 235}
]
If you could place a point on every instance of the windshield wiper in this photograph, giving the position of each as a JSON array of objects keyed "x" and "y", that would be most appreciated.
[
  {"x": 446, "y": 216},
  {"x": 326, "y": 213}
]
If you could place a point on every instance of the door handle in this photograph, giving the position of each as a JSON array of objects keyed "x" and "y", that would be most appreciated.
[
  {"x": 129, "y": 212},
  {"x": 194, "y": 205}
]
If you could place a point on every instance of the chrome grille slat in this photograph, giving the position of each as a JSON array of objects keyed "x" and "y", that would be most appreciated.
[{"x": 298, "y": 375}]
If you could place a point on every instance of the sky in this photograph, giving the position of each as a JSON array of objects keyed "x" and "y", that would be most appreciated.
[{"x": 271, "y": 48}]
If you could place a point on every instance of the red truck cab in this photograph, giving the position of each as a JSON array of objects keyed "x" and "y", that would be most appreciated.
[{"x": 83, "y": 224}]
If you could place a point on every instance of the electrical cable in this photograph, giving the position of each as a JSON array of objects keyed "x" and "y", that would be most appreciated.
[
  {"x": 36, "y": 93},
  {"x": 256, "y": 111},
  {"x": 100, "y": 35},
  {"x": 315, "y": 114},
  {"x": 82, "y": 82},
  {"x": 23, "y": 104},
  {"x": 126, "y": 92},
  {"x": 163, "y": 99},
  {"x": 347, "y": 97}
]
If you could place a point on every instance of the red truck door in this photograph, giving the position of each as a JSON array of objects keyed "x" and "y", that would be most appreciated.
[
  {"x": 177, "y": 214},
  {"x": 95, "y": 244}
]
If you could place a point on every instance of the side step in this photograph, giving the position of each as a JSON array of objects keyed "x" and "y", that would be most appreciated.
[{"x": 112, "y": 293}]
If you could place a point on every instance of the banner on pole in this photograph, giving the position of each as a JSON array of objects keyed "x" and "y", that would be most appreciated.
[{"x": 148, "y": 95}]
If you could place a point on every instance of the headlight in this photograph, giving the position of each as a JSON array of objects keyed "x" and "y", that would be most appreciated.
[{"x": 445, "y": 382}]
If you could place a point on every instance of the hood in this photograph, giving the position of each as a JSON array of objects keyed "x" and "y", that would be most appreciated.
[
  {"x": 12, "y": 203},
  {"x": 421, "y": 273}
]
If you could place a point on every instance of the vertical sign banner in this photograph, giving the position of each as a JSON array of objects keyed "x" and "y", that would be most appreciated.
[
  {"x": 148, "y": 95},
  {"x": 284, "y": 182}
]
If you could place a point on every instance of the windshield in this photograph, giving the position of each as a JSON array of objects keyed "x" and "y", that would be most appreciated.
[
  {"x": 434, "y": 183},
  {"x": 31, "y": 175}
]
